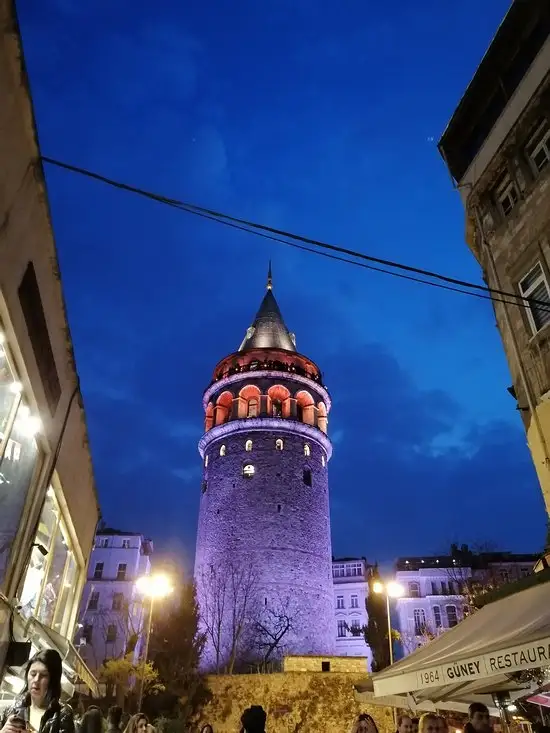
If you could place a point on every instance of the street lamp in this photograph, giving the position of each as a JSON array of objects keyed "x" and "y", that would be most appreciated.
[
  {"x": 154, "y": 586},
  {"x": 390, "y": 590}
]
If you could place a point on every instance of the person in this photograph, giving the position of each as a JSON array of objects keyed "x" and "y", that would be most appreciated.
[
  {"x": 404, "y": 724},
  {"x": 137, "y": 724},
  {"x": 415, "y": 722},
  {"x": 443, "y": 726},
  {"x": 92, "y": 721},
  {"x": 38, "y": 709},
  {"x": 207, "y": 728},
  {"x": 365, "y": 724},
  {"x": 479, "y": 720},
  {"x": 253, "y": 720},
  {"x": 428, "y": 723},
  {"x": 114, "y": 717}
]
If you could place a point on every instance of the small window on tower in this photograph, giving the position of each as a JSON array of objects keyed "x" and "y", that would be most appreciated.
[
  {"x": 279, "y": 445},
  {"x": 248, "y": 470},
  {"x": 276, "y": 408},
  {"x": 204, "y": 487},
  {"x": 307, "y": 476},
  {"x": 205, "y": 461},
  {"x": 248, "y": 446},
  {"x": 222, "y": 450},
  {"x": 323, "y": 461},
  {"x": 253, "y": 408},
  {"x": 307, "y": 450}
]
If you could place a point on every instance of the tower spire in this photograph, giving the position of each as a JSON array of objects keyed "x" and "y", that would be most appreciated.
[{"x": 269, "y": 278}]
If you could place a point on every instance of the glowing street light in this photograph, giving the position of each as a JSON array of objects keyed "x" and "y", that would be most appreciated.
[
  {"x": 156, "y": 587},
  {"x": 390, "y": 590}
]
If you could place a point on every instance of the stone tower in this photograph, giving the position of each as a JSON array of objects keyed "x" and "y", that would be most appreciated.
[{"x": 263, "y": 540}]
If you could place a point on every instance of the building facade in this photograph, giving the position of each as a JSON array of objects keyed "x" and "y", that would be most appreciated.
[
  {"x": 350, "y": 580},
  {"x": 264, "y": 525},
  {"x": 48, "y": 503},
  {"x": 113, "y": 611},
  {"x": 497, "y": 149},
  {"x": 438, "y": 590}
]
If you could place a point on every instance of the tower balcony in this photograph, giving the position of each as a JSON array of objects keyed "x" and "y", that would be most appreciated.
[{"x": 269, "y": 425}]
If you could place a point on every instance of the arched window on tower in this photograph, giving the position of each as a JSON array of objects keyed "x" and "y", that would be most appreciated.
[
  {"x": 323, "y": 460},
  {"x": 222, "y": 450},
  {"x": 276, "y": 408},
  {"x": 248, "y": 470},
  {"x": 307, "y": 476},
  {"x": 307, "y": 450},
  {"x": 253, "y": 408},
  {"x": 206, "y": 461},
  {"x": 279, "y": 445},
  {"x": 248, "y": 446}
]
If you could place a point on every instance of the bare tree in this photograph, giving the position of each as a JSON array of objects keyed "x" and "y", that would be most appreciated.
[
  {"x": 272, "y": 629},
  {"x": 229, "y": 594},
  {"x": 123, "y": 617}
]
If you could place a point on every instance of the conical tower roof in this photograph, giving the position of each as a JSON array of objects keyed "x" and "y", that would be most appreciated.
[{"x": 268, "y": 331}]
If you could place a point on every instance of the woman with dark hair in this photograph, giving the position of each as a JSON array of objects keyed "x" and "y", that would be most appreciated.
[
  {"x": 365, "y": 724},
  {"x": 137, "y": 724},
  {"x": 38, "y": 709},
  {"x": 207, "y": 728},
  {"x": 92, "y": 721}
]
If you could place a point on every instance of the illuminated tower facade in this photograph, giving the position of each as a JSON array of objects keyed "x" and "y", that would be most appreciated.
[{"x": 264, "y": 522}]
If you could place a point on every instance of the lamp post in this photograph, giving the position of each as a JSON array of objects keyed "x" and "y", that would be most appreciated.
[
  {"x": 154, "y": 586},
  {"x": 390, "y": 590}
]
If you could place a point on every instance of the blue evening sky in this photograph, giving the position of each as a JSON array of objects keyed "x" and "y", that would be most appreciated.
[{"x": 313, "y": 116}]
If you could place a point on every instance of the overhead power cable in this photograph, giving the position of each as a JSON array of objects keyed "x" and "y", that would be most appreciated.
[{"x": 279, "y": 235}]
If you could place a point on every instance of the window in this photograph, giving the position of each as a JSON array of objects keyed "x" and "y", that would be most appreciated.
[
  {"x": 323, "y": 460},
  {"x": 222, "y": 450},
  {"x": 506, "y": 194},
  {"x": 121, "y": 571},
  {"x": 110, "y": 637},
  {"x": 206, "y": 461},
  {"x": 325, "y": 666},
  {"x": 525, "y": 572},
  {"x": 279, "y": 445},
  {"x": 276, "y": 408},
  {"x": 125, "y": 544},
  {"x": 98, "y": 570},
  {"x": 504, "y": 576},
  {"x": 414, "y": 590},
  {"x": 354, "y": 570},
  {"x": 248, "y": 446},
  {"x": 534, "y": 286},
  {"x": 354, "y": 602},
  {"x": 434, "y": 588},
  {"x": 437, "y": 617},
  {"x": 419, "y": 621},
  {"x": 307, "y": 476},
  {"x": 307, "y": 450},
  {"x": 452, "y": 618},
  {"x": 538, "y": 148},
  {"x": 31, "y": 305},
  {"x": 87, "y": 633},
  {"x": 49, "y": 588},
  {"x": 340, "y": 602},
  {"x": 338, "y": 571},
  {"x": 103, "y": 542},
  {"x": 355, "y": 627},
  {"x": 248, "y": 470},
  {"x": 118, "y": 601},
  {"x": 204, "y": 487},
  {"x": 444, "y": 589},
  {"x": 93, "y": 603},
  {"x": 253, "y": 408},
  {"x": 341, "y": 629}
]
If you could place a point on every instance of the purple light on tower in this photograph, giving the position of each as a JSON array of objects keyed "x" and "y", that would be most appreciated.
[{"x": 265, "y": 497}]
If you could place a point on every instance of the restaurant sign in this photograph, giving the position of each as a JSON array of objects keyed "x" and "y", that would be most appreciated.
[{"x": 462, "y": 671}]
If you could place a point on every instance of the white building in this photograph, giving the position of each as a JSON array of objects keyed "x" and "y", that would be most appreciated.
[
  {"x": 350, "y": 579},
  {"x": 438, "y": 588},
  {"x": 113, "y": 612}
]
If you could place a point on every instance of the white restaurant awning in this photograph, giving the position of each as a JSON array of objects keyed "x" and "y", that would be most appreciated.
[{"x": 477, "y": 656}]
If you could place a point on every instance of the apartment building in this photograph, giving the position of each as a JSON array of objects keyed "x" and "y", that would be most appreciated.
[
  {"x": 350, "y": 581},
  {"x": 48, "y": 503},
  {"x": 113, "y": 612},
  {"x": 438, "y": 590},
  {"x": 497, "y": 149}
]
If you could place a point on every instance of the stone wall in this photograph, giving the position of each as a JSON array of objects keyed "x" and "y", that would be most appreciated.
[
  {"x": 354, "y": 665},
  {"x": 294, "y": 702}
]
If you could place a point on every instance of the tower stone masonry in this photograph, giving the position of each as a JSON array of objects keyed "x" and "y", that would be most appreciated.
[{"x": 263, "y": 552}]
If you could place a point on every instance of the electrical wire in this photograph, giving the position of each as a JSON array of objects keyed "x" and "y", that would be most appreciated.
[{"x": 452, "y": 284}]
